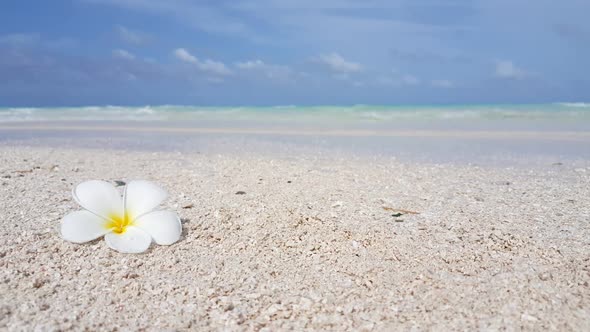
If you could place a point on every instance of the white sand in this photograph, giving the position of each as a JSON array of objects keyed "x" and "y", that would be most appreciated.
[{"x": 309, "y": 246}]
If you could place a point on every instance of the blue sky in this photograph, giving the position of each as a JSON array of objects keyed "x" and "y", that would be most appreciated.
[{"x": 282, "y": 52}]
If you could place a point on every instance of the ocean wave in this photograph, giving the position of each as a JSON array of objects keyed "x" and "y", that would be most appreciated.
[
  {"x": 306, "y": 114},
  {"x": 145, "y": 110},
  {"x": 575, "y": 105}
]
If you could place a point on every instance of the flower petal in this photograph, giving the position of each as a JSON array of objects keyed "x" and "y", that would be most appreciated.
[
  {"x": 142, "y": 197},
  {"x": 163, "y": 226},
  {"x": 99, "y": 197},
  {"x": 132, "y": 241},
  {"x": 83, "y": 226}
]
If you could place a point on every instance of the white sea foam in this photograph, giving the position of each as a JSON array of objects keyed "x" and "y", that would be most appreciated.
[
  {"x": 577, "y": 105},
  {"x": 307, "y": 114},
  {"x": 145, "y": 110}
]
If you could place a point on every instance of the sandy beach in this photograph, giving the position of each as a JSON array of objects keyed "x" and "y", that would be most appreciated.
[
  {"x": 307, "y": 242},
  {"x": 294, "y": 165}
]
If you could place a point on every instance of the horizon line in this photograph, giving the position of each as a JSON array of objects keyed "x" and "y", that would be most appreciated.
[{"x": 563, "y": 103}]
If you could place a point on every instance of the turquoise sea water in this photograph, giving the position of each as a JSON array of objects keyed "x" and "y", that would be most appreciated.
[
  {"x": 569, "y": 112},
  {"x": 487, "y": 134}
]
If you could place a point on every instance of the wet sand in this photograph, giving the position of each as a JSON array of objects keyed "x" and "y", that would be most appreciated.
[{"x": 438, "y": 142}]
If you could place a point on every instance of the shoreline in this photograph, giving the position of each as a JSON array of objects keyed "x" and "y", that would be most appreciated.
[
  {"x": 512, "y": 147},
  {"x": 465, "y": 134}
]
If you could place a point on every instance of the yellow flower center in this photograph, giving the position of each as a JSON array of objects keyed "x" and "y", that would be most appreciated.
[{"x": 118, "y": 224}]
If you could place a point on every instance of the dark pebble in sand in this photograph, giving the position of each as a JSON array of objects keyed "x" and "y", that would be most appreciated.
[
  {"x": 240, "y": 192},
  {"x": 289, "y": 181},
  {"x": 39, "y": 283}
]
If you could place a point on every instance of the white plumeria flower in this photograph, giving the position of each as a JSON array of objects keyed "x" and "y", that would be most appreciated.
[{"x": 129, "y": 225}]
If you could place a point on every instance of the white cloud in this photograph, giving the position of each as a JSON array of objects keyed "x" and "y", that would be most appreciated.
[
  {"x": 130, "y": 77},
  {"x": 185, "y": 56},
  {"x": 410, "y": 80},
  {"x": 19, "y": 38},
  {"x": 131, "y": 36},
  {"x": 214, "y": 67},
  {"x": 252, "y": 64},
  {"x": 122, "y": 54},
  {"x": 207, "y": 65},
  {"x": 35, "y": 40},
  {"x": 61, "y": 44},
  {"x": 337, "y": 63},
  {"x": 269, "y": 70},
  {"x": 396, "y": 80},
  {"x": 507, "y": 70},
  {"x": 207, "y": 17},
  {"x": 442, "y": 83}
]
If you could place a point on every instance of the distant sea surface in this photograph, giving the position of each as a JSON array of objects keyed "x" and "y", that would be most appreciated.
[{"x": 571, "y": 116}]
